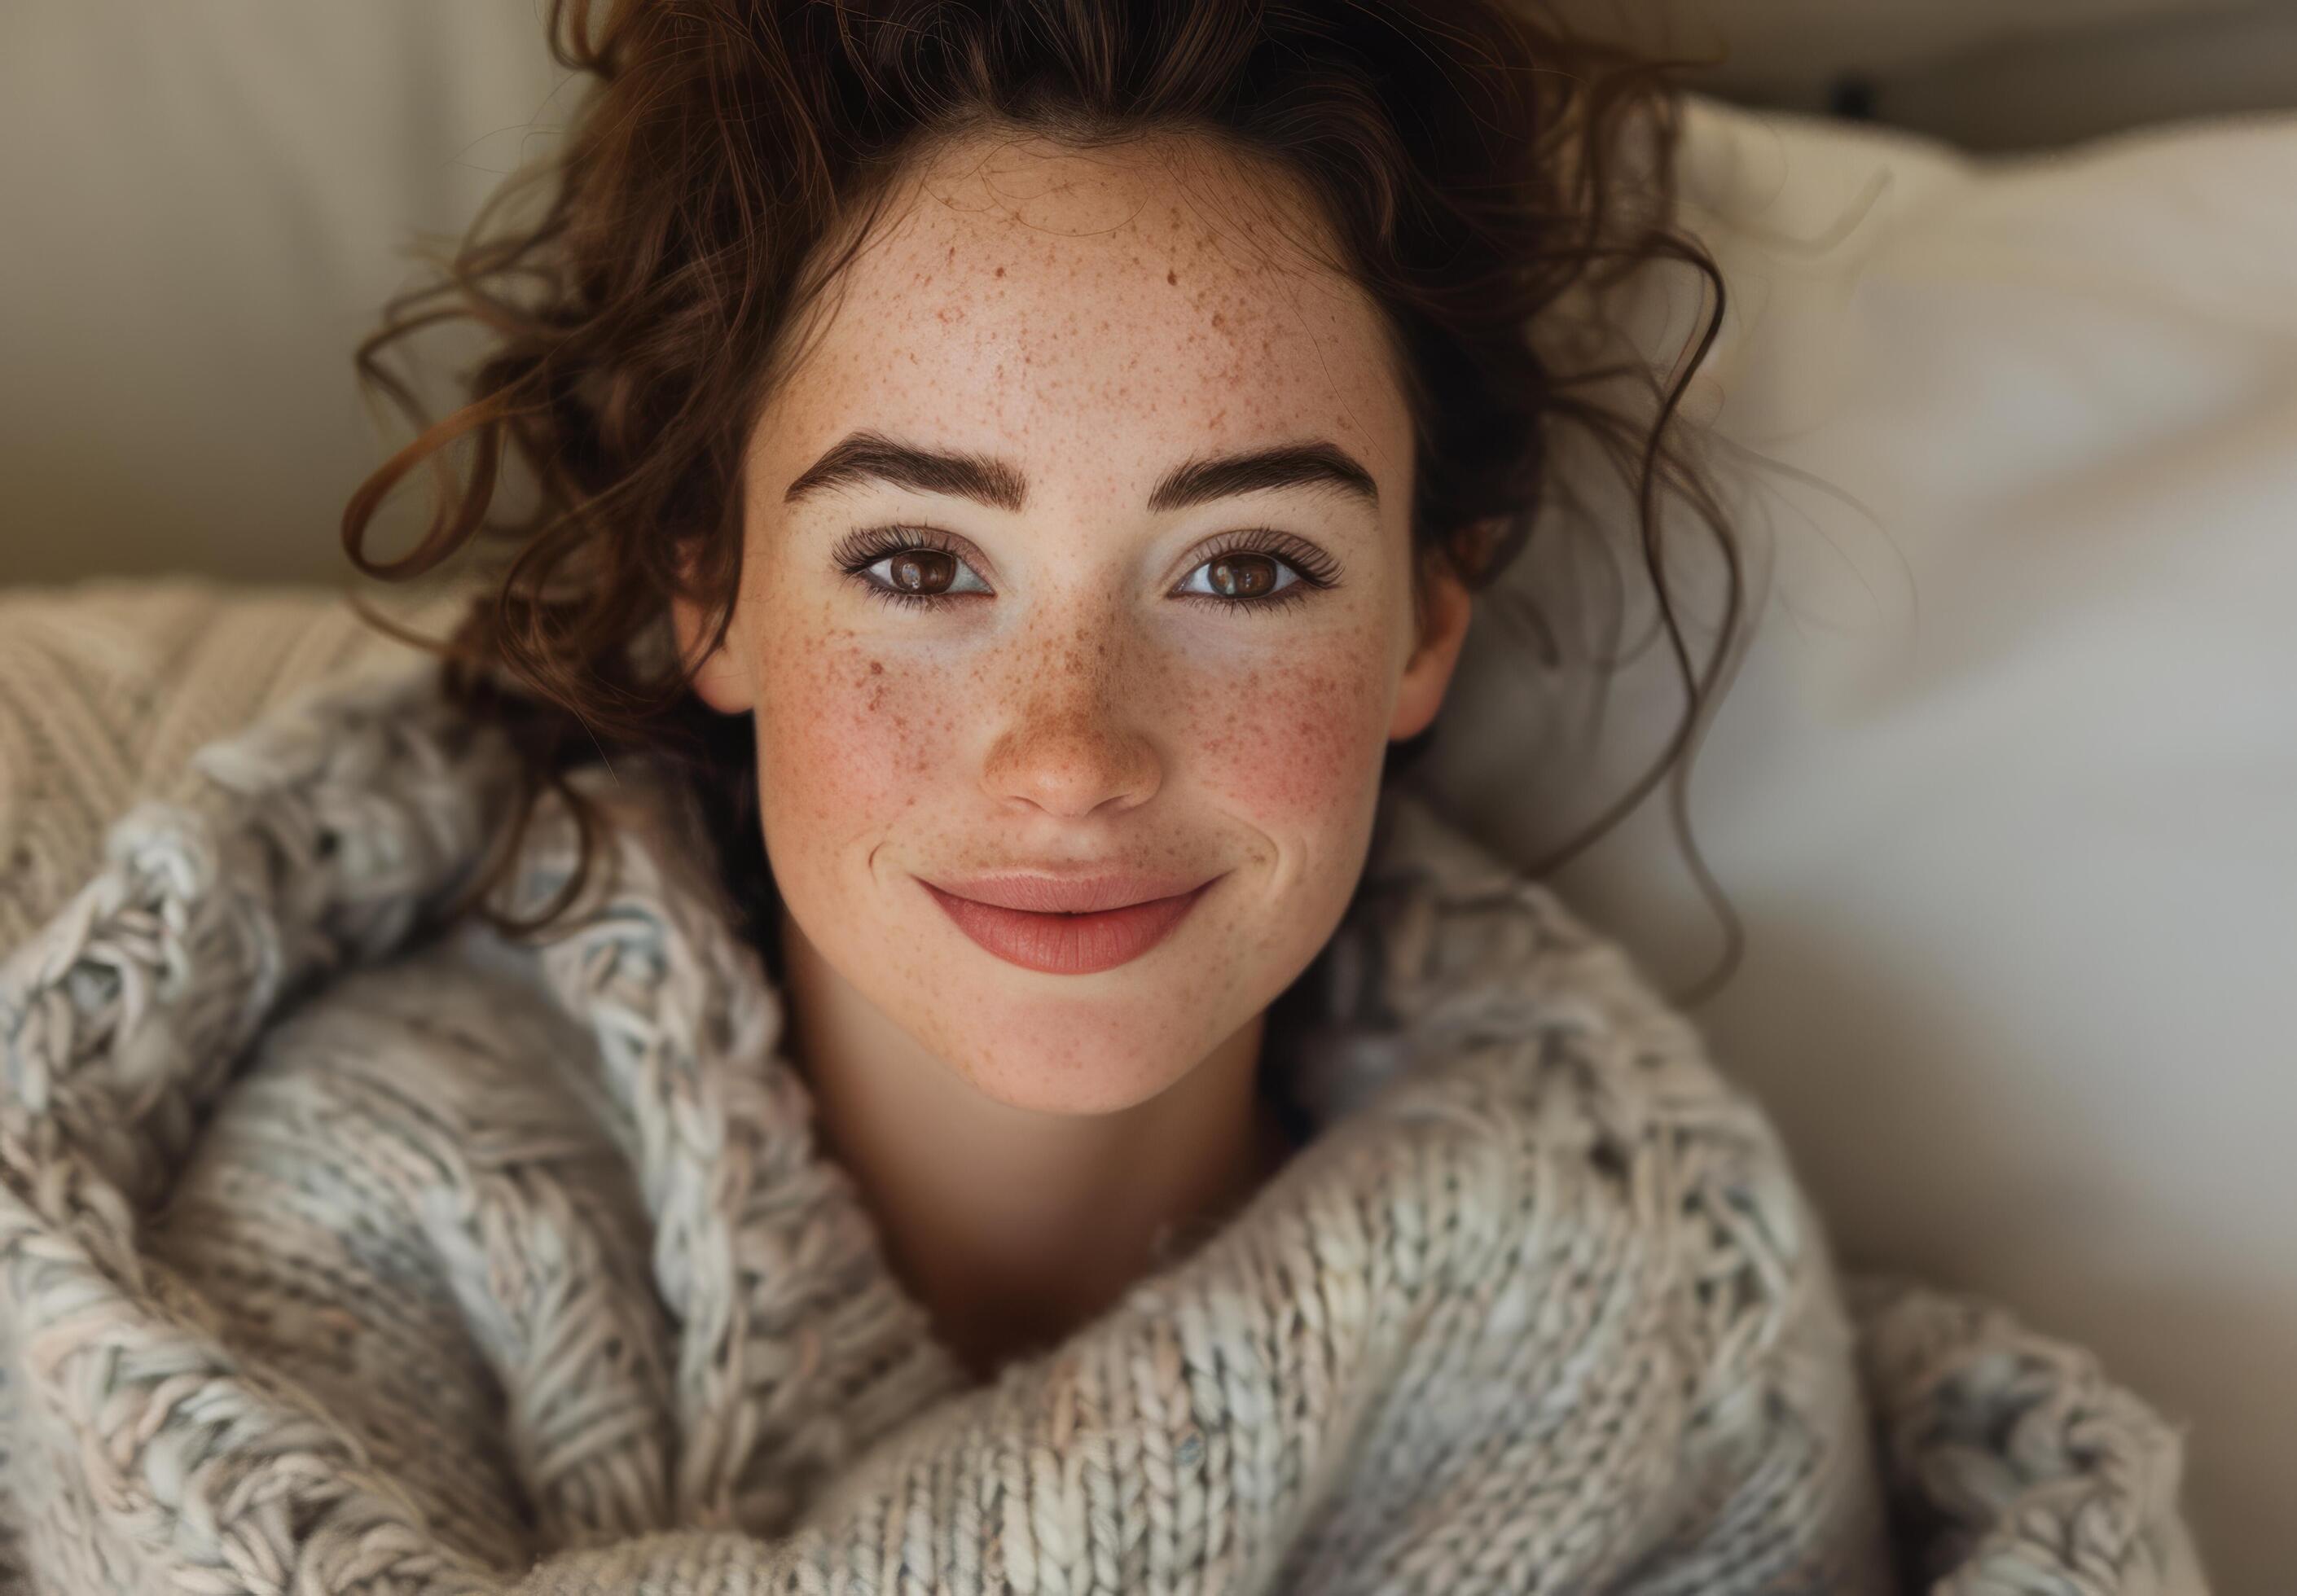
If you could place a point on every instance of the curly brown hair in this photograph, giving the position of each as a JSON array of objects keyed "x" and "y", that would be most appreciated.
[{"x": 1487, "y": 174}]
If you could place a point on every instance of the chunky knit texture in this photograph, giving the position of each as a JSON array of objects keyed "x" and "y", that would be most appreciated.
[
  {"x": 341, "y": 1251},
  {"x": 108, "y": 687}
]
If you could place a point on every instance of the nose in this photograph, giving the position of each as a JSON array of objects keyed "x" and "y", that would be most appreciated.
[{"x": 1070, "y": 745}]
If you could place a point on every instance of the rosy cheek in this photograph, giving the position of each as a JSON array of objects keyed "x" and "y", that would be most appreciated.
[
  {"x": 846, "y": 738},
  {"x": 1294, "y": 742}
]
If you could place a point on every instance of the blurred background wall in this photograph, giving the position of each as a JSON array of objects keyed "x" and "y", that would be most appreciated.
[
  {"x": 206, "y": 207},
  {"x": 1984, "y": 74}
]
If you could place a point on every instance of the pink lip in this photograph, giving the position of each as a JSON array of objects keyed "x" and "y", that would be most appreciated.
[{"x": 1126, "y": 923}]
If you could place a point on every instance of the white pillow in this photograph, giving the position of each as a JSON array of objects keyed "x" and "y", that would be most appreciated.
[{"x": 2007, "y": 791}]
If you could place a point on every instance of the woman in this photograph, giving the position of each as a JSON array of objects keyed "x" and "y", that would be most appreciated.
[{"x": 881, "y": 1027}]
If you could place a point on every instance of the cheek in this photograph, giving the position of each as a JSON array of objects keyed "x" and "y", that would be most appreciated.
[
  {"x": 1296, "y": 741},
  {"x": 846, "y": 738}
]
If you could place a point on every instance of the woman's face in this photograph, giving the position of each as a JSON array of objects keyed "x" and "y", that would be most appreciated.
[{"x": 1113, "y": 662}]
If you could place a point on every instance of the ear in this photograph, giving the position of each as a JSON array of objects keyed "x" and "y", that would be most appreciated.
[
  {"x": 1447, "y": 605},
  {"x": 724, "y": 681}
]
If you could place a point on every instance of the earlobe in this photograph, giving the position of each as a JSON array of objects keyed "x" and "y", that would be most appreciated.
[
  {"x": 1429, "y": 672},
  {"x": 721, "y": 682}
]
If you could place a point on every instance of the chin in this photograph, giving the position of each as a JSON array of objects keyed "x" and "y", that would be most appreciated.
[
  {"x": 1073, "y": 1071},
  {"x": 1084, "y": 1099}
]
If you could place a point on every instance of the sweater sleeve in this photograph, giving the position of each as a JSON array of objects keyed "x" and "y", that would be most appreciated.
[
  {"x": 1663, "y": 1398},
  {"x": 401, "y": 1207},
  {"x": 1776, "y": 1488}
]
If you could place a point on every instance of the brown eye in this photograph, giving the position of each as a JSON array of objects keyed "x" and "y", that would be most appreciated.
[
  {"x": 909, "y": 567},
  {"x": 1242, "y": 575},
  {"x": 1246, "y": 576},
  {"x": 921, "y": 571}
]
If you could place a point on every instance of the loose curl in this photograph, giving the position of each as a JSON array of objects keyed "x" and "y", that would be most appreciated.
[{"x": 1485, "y": 173}]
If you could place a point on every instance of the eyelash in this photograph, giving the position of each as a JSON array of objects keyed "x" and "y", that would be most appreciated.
[{"x": 1316, "y": 570}]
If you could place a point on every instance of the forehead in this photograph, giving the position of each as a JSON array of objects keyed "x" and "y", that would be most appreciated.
[{"x": 1102, "y": 314}]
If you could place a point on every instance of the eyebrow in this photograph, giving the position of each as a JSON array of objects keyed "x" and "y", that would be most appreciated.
[{"x": 869, "y": 455}]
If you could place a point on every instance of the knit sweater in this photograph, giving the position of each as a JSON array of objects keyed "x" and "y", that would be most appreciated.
[{"x": 346, "y": 1248}]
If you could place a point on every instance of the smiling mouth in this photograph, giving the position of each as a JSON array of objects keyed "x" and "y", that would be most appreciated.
[{"x": 1068, "y": 944}]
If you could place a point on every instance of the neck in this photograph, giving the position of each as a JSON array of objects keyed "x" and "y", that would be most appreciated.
[{"x": 1013, "y": 1228}]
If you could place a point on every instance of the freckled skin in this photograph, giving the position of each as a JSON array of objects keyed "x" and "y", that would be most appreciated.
[{"x": 1090, "y": 319}]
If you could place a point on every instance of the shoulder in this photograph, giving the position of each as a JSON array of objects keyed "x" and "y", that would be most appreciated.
[
  {"x": 1658, "y": 1305},
  {"x": 1691, "y": 1246}
]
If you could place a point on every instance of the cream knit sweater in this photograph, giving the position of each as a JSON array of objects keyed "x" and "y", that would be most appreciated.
[{"x": 342, "y": 1252}]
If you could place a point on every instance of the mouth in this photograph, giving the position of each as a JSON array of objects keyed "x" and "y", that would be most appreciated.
[{"x": 1061, "y": 942}]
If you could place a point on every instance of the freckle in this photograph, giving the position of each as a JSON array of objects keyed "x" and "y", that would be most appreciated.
[
  {"x": 1219, "y": 320},
  {"x": 1000, "y": 271},
  {"x": 1171, "y": 277},
  {"x": 877, "y": 667}
]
